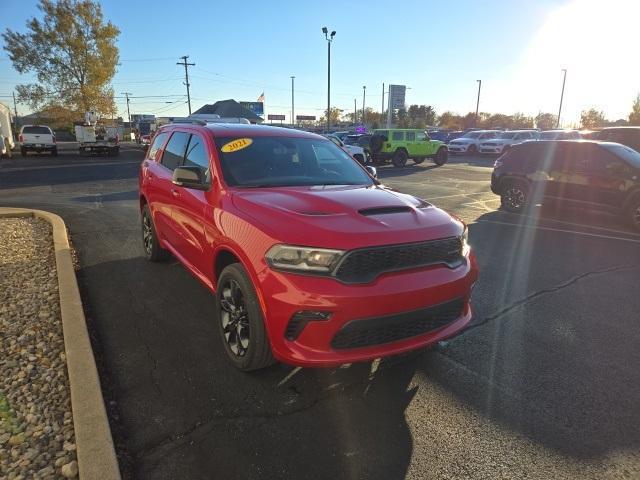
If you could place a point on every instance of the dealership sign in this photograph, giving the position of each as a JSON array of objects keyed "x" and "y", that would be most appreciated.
[
  {"x": 273, "y": 116},
  {"x": 397, "y": 96},
  {"x": 255, "y": 107},
  {"x": 305, "y": 117}
]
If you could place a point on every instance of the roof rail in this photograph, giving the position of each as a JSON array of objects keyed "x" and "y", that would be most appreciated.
[{"x": 189, "y": 120}]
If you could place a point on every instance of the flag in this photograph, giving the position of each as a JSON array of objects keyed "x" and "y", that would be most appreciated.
[{"x": 261, "y": 98}]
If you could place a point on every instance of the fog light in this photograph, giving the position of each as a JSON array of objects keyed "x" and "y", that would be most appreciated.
[{"x": 300, "y": 319}]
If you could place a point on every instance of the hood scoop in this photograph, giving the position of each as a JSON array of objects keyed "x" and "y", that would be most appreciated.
[{"x": 367, "y": 212}]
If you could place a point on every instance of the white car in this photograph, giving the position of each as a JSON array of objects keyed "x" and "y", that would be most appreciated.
[
  {"x": 470, "y": 141},
  {"x": 505, "y": 139},
  {"x": 355, "y": 151},
  {"x": 37, "y": 138}
]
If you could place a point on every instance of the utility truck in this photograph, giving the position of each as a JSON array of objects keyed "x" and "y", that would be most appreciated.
[{"x": 95, "y": 138}]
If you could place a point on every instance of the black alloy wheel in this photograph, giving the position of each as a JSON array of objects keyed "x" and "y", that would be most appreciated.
[{"x": 234, "y": 318}]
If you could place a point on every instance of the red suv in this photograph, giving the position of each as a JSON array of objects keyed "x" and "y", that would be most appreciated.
[{"x": 312, "y": 261}]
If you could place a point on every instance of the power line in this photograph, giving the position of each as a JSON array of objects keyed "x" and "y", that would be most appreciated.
[{"x": 186, "y": 77}]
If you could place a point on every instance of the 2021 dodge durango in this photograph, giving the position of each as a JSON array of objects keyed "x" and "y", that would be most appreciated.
[{"x": 311, "y": 260}]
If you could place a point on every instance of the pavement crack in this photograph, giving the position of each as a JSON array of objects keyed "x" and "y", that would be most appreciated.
[{"x": 546, "y": 291}]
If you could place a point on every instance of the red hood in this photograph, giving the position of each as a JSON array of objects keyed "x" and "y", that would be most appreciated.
[{"x": 342, "y": 216}]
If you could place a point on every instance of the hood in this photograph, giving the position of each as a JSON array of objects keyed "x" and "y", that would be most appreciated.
[
  {"x": 344, "y": 217},
  {"x": 464, "y": 140}
]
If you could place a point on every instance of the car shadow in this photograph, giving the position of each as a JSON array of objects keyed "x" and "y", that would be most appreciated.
[
  {"x": 476, "y": 160},
  {"x": 180, "y": 410},
  {"x": 389, "y": 171}
]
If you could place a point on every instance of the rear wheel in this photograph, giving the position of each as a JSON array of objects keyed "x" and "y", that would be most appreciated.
[
  {"x": 241, "y": 323},
  {"x": 441, "y": 157},
  {"x": 152, "y": 250},
  {"x": 472, "y": 150},
  {"x": 54, "y": 152},
  {"x": 514, "y": 196},
  {"x": 400, "y": 158}
]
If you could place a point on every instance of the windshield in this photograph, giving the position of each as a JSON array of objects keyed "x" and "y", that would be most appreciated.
[
  {"x": 351, "y": 139},
  {"x": 37, "y": 130},
  {"x": 626, "y": 153},
  {"x": 285, "y": 162},
  {"x": 551, "y": 135}
]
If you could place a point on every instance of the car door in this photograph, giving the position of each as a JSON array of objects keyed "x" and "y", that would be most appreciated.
[
  {"x": 569, "y": 178},
  {"x": 166, "y": 196},
  {"x": 609, "y": 177},
  {"x": 427, "y": 147},
  {"x": 192, "y": 211},
  {"x": 412, "y": 145}
]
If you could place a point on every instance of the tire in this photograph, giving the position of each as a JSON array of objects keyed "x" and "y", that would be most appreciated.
[
  {"x": 240, "y": 321},
  {"x": 472, "y": 150},
  {"x": 441, "y": 157},
  {"x": 376, "y": 143},
  {"x": 633, "y": 213},
  {"x": 418, "y": 160},
  {"x": 152, "y": 250},
  {"x": 400, "y": 158},
  {"x": 514, "y": 196},
  {"x": 23, "y": 152},
  {"x": 54, "y": 152}
]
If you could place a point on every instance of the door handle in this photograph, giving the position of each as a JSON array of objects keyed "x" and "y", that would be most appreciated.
[{"x": 175, "y": 193}]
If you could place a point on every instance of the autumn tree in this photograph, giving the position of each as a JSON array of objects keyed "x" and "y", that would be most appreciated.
[
  {"x": 334, "y": 117},
  {"x": 450, "y": 120},
  {"x": 546, "y": 121},
  {"x": 73, "y": 54},
  {"x": 634, "y": 116},
  {"x": 592, "y": 118},
  {"x": 520, "y": 120}
]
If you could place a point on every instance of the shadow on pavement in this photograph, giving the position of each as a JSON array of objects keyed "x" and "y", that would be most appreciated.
[{"x": 109, "y": 197}]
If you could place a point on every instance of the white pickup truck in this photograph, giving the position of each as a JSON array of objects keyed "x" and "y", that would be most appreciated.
[{"x": 37, "y": 138}]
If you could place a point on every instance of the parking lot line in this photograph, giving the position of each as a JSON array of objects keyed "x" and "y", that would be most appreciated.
[
  {"x": 68, "y": 165},
  {"x": 575, "y": 232},
  {"x": 605, "y": 229}
]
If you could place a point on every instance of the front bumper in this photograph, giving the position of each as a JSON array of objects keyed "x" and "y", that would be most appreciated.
[
  {"x": 393, "y": 294},
  {"x": 453, "y": 148},
  {"x": 491, "y": 149},
  {"x": 38, "y": 147}
]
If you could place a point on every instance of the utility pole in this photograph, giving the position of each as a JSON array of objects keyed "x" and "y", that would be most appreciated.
[
  {"x": 329, "y": 39},
  {"x": 126, "y": 94},
  {"x": 382, "y": 106},
  {"x": 293, "y": 117},
  {"x": 186, "y": 77},
  {"x": 364, "y": 95},
  {"x": 478, "y": 101},
  {"x": 15, "y": 110},
  {"x": 561, "y": 97},
  {"x": 355, "y": 112}
]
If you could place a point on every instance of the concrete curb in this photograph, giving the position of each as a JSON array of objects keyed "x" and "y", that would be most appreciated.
[{"x": 95, "y": 450}]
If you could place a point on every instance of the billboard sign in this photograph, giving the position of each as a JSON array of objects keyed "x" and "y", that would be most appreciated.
[
  {"x": 256, "y": 107},
  {"x": 273, "y": 116},
  {"x": 397, "y": 96},
  {"x": 305, "y": 117}
]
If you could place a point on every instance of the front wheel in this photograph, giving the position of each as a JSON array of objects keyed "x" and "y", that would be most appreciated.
[
  {"x": 441, "y": 157},
  {"x": 241, "y": 322},
  {"x": 514, "y": 197},
  {"x": 471, "y": 150},
  {"x": 152, "y": 250},
  {"x": 400, "y": 158},
  {"x": 634, "y": 213}
]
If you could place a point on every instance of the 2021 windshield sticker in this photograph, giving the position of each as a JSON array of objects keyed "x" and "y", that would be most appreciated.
[{"x": 235, "y": 145}]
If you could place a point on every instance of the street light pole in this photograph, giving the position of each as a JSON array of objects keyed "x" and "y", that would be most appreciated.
[
  {"x": 355, "y": 114},
  {"x": 382, "y": 106},
  {"x": 564, "y": 79},
  {"x": 293, "y": 113},
  {"x": 478, "y": 101},
  {"x": 364, "y": 96},
  {"x": 329, "y": 38}
]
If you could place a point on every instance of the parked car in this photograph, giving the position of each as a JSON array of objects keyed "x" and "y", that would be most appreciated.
[
  {"x": 362, "y": 140},
  {"x": 145, "y": 140},
  {"x": 341, "y": 135},
  {"x": 589, "y": 174},
  {"x": 470, "y": 141},
  {"x": 37, "y": 138},
  {"x": 559, "y": 135},
  {"x": 355, "y": 151},
  {"x": 6, "y": 132},
  {"x": 312, "y": 261},
  {"x": 504, "y": 140},
  {"x": 441, "y": 135},
  {"x": 629, "y": 136},
  {"x": 455, "y": 134},
  {"x": 400, "y": 144}
]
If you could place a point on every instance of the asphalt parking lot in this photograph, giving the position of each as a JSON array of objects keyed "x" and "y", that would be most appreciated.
[{"x": 545, "y": 383}]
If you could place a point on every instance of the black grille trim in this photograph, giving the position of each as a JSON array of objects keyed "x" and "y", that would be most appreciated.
[
  {"x": 391, "y": 328},
  {"x": 384, "y": 210},
  {"x": 365, "y": 264}
]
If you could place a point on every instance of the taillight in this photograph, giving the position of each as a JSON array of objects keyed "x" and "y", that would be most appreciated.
[{"x": 20, "y": 138}]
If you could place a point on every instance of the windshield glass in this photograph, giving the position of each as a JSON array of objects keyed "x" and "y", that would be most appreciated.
[
  {"x": 626, "y": 153},
  {"x": 551, "y": 135},
  {"x": 351, "y": 139},
  {"x": 37, "y": 130},
  {"x": 284, "y": 162}
]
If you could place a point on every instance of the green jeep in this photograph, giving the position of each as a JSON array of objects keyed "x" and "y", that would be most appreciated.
[{"x": 400, "y": 144}]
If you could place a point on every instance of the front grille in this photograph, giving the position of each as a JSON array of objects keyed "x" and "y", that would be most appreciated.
[
  {"x": 377, "y": 331},
  {"x": 364, "y": 265}
]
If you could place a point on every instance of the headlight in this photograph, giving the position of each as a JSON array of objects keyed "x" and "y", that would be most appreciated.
[
  {"x": 303, "y": 259},
  {"x": 464, "y": 241}
]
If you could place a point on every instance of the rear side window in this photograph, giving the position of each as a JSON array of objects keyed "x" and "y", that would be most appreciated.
[
  {"x": 157, "y": 145},
  {"x": 174, "y": 152},
  {"x": 421, "y": 136},
  {"x": 37, "y": 130},
  {"x": 397, "y": 136},
  {"x": 411, "y": 136}
]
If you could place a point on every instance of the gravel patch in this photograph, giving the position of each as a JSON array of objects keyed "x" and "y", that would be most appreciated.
[{"x": 36, "y": 426}]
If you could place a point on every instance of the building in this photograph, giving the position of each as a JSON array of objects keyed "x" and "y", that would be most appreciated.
[{"x": 229, "y": 109}]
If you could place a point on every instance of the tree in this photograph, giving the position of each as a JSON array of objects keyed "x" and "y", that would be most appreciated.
[
  {"x": 520, "y": 120},
  {"x": 592, "y": 118},
  {"x": 634, "y": 116},
  {"x": 335, "y": 116},
  {"x": 73, "y": 54},
  {"x": 450, "y": 120},
  {"x": 546, "y": 121}
]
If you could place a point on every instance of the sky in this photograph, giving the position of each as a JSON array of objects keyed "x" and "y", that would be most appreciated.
[{"x": 437, "y": 49}]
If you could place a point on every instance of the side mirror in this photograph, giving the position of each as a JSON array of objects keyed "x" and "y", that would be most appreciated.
[
  {"x": 372, "y": 171},
  {"x": 190, "y": 177}
]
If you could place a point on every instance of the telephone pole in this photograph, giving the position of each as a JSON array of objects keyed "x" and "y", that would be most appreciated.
[
  {"x": 564, "y": 79},
  {"x": 293, "y": 112},
  {"x": 126, "y": 94},
  {"x": 186, "y": 77},
  {"x": 364, "y": 96},
  {"x": 382, "y": 106},
  {"x": 15, "y": 110},
  {"x": 478, "y": 101}
]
